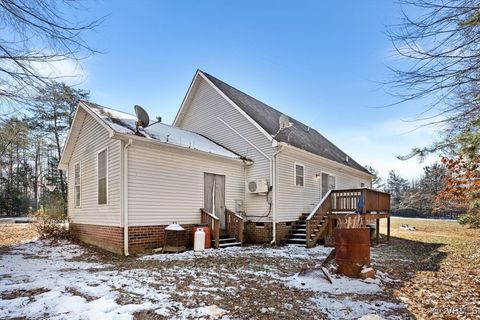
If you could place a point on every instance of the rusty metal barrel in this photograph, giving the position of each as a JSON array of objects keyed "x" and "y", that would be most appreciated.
[{"x": 352, "y": 250}]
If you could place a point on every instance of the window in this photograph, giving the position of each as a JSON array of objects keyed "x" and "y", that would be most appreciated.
[
  {"x": 102, "y": 176},
  {"x": 76, "y": 184},
  {"x": 299, "y": 175}
]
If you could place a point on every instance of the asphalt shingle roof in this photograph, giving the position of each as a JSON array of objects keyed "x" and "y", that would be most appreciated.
[{"x": 298, "y": 135}]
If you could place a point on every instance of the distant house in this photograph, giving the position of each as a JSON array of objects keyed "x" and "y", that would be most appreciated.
[{"x": 228, "y": 160}]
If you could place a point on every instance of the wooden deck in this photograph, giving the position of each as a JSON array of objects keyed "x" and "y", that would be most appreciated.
[
  {"x": 366, "y": 218},
  {"x": 371, "y": 205}
]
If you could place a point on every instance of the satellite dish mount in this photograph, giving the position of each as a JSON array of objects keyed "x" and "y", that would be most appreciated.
[{"x": 142, "y": 118}]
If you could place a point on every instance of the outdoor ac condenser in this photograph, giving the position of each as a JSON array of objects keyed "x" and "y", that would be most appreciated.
[{"x": 257, "y": 186}]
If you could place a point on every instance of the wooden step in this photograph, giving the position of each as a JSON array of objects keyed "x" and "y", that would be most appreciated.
[
  {"x": 225, "y": 240},
  {"x": 230, "y": 244},
  {"x": 296, "y": 241},
  {"x": 296, "y": 244},
  {"x": 297, "y": 235}
]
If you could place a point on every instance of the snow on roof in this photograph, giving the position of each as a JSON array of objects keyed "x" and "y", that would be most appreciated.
[{"x": 123, "y": 122}]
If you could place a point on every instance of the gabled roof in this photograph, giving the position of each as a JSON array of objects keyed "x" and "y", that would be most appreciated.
[
  {"x": 297, "y": 135},
  {"x": 118, "y": 122}
]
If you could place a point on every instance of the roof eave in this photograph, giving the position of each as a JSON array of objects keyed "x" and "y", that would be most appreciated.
[
  {"x": 179, "y": 115},
  {"x": 126, "y": 136},
  {"x": 332, "y": 162}
]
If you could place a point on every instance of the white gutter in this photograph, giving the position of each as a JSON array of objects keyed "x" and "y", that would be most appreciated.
[
  {"x": 124, "y": 136},
  {"x": 274, "y": 184},
  {"x": 250, "y": 143},
  {"x": 272, "y": 174},
  {"x": 338, "y": 166},
  {"x": 241, "y": 136},
  {"x": 125, "y": 196}
]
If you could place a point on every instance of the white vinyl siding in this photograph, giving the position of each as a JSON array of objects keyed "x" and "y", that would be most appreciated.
[
  {"x": 292, "y": 201},
  {"x": 299, "y": 175},
  {"x": 204, "y": 110},
  {"x": 77, "y": 185},
  {"x": 102, "y": 174},
  {"x": 93, "y": 137},
  {"x": 167, "y": 184}
]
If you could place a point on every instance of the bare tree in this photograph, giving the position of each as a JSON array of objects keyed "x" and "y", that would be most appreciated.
[
  {"x": 35, "y": 34},
  {"x": 440, "y": 41}
]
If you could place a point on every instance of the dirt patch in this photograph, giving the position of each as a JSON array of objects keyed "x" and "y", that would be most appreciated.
[
  {"x": 75, "y": 292},
  {"x": 22, "y": 293},
  {"x": 147, "y": 315},
  {"x": 13, "y": 233}
]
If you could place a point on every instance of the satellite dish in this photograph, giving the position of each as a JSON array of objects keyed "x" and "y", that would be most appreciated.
[
  {"x": 284, "y": 121},
  {"x": 142, "y": 117}
]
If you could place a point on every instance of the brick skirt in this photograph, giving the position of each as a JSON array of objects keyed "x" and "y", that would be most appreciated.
[{"x": 140, "y": 239}]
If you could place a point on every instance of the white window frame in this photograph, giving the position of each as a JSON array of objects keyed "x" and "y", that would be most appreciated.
[
  {"x": 79, "y": 163},
  {"x": 295, "y": 164},
  {"x": 106, "y": 177}
]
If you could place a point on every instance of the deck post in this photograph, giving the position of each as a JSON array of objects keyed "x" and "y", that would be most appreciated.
[
  {"x": 364, "y": 196},
  {"x": 388, "y": 230},
  {"x": 377, "y": 230}
]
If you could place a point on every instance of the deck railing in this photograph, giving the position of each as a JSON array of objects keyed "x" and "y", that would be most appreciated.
[
  {"x": 234, "y": 225},
  {"x": 213, "y": 223},
  {"x": 343, "y": 201},
  {"x": 348, "y": 200},
  {"x": 313, "y": 228}
]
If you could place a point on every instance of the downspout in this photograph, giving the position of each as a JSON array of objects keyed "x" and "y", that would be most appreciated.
[
  {"x": 125, "y": 196},
  {"x": 270, "y": 162},
  {"x": 274, "y": 184}
]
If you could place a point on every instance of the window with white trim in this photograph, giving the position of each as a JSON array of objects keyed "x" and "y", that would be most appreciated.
[
  {"x": 102, "y": 169},
  {"x": 77, "y": 185},
  {"x": 299, "y": 175}
]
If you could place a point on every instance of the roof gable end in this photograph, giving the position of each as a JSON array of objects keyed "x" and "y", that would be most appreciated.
[{"x": 297, "y": 135}]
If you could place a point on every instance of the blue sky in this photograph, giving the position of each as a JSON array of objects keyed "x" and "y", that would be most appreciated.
[{"x": 318, "y": 61}]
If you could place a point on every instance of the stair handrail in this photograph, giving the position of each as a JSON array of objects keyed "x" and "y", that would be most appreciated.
[
  {"x": 317, "y": 214},
  {"x": 237, "y": 221},
  {"x": 214, "y": 224},
  {"x": 209, "y": 214},
  {"x": 310, "y": 216}
]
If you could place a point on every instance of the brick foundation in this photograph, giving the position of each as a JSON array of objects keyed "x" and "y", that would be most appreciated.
[
  {"x": 106, "y": 237},
  {"x": 140, "y": 239},
  {"x": 146, "y": 238},
  {"x": 263, "y": 234}
]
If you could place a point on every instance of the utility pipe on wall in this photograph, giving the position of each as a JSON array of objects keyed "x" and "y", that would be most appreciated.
[
  {"x": 272, "y": 174},
  {"x": 125, "y": 196},
  {"x": 274, "y": 184}
]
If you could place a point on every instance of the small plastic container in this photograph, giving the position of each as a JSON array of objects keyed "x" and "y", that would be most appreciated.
[
  {"x": 199, "y": 240},
  {"x": 206, "y": 229}
]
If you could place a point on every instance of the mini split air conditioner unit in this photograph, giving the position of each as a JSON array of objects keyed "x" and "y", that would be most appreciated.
[{"x": 257, "y": 186}]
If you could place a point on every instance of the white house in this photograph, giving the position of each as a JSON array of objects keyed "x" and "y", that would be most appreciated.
[{"x": 253, "y": 170}]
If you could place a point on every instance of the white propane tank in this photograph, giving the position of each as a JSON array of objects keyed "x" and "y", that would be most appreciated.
[{"x": 199, "y": 240}]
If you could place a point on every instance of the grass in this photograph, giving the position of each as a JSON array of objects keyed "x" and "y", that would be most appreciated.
[
  {"x": 439, "y": 265},
  {"x": 12, "y": 233}
]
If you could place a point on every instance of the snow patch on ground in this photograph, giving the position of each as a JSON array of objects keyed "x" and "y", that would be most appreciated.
[
  {"x": 293, "y": 252},
  {"x": 315, "y": 281},
  {"x": 40, "y": 280}
]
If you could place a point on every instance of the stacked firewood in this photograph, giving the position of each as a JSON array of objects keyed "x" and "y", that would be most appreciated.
[{"x": 350, "y": 222}]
